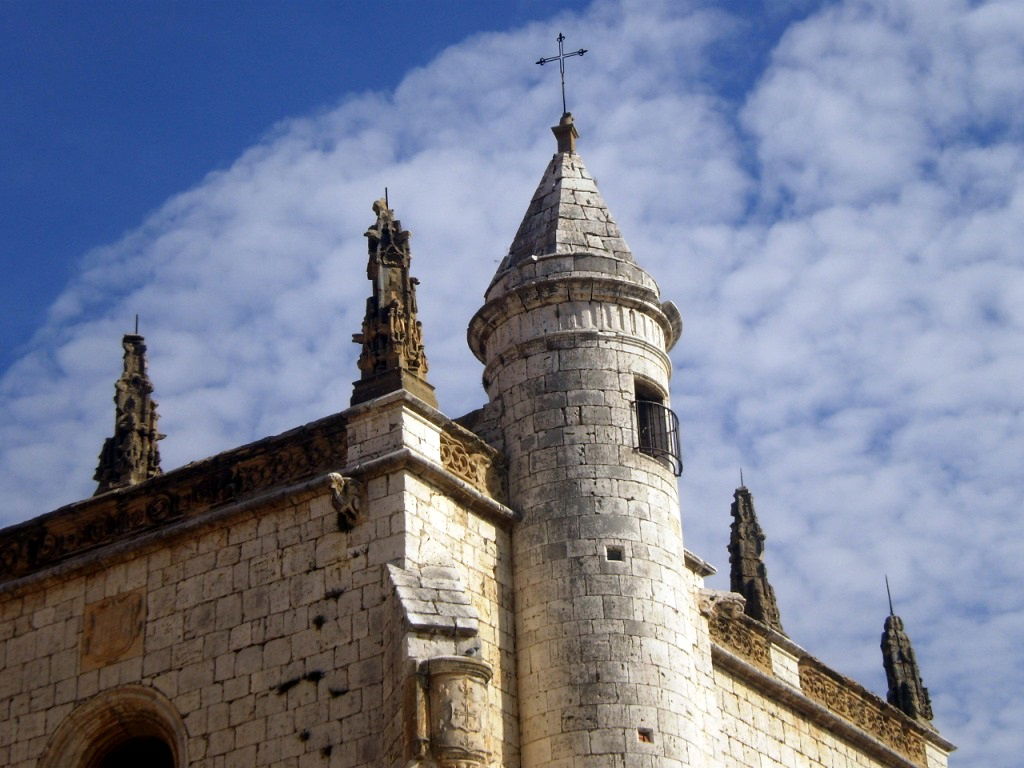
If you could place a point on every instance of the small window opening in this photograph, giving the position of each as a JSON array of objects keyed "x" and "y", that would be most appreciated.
[
  {"x": 614, "y": 553},
  {"x": 657, "y": 427},
  {"x": 645, "y": 735}
]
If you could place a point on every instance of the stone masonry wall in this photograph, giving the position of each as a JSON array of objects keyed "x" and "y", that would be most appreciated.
[
  {"x": 265, "y": 631},
  {"x": 758, "y": 732},
  {"x": 440, "y": 531},
  {"x": 421, "y": 526}
]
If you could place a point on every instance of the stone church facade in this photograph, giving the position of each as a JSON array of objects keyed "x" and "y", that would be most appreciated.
[{"x": 389, "y": 586}]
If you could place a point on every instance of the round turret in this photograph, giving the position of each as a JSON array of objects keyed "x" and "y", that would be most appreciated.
[{"x": 575, "y": 342}]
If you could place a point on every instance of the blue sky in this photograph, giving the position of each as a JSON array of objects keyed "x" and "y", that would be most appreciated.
[{"x": 833, "y": 194}]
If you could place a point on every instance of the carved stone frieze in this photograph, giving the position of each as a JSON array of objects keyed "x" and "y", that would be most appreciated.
[
  {"x": 730, "y": 628},
  {"x": 184, "y": 493},
  {"x": 474, "y": 465},
  {"x": 860, "y": 708}
]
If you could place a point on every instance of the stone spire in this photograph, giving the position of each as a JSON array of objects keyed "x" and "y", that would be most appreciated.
[
  {"x": 747, "y": 573},
  {"x": 392, "y": 357},
  {"x": 567, "y": 213},
  {"x": 906, "y": 689},
  {"x": 131, "y": 455}
]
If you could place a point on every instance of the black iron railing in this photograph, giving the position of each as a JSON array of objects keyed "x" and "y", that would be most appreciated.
[{"x": 657, "y": 431}]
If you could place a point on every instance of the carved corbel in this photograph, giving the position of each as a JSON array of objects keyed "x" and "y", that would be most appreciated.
[
  {"x": 347, "y": 500},
  {"x": 712, "y": 601}
]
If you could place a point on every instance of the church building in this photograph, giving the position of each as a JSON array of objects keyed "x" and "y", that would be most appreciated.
[{"x": 392, "y": 587}]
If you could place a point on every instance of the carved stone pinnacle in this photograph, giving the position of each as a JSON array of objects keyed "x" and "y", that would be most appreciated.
[
  {"x": 131, "y": 455},
  {"x": 392, "y": 355},
  {"x": 747, "y": 574},
  {"x": 906, "y": 689}
]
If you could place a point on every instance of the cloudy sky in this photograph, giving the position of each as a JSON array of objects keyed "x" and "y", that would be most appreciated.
[{"x": 832, "y": 192}]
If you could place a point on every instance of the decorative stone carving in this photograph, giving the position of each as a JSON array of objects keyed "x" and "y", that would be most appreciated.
[
  {"x": 710, "y": 601},
  {"x": 861, "y": 708},
  {"x": 112, "y": 629},
  {"x": 458, "y": 709},
  {"x": 747, "y": 574},
  {"x": 187, "y": 492},
  {"x": 906, "y": 689},
  {"x": 392, "y": 355},
  {"x": 346, "y": 498},
  {"x": 729, "y": 628},
  {"x": 474, "y": 466},
  {"x": 131, "y": 455}
]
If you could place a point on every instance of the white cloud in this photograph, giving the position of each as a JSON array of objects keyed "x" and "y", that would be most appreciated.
[{"x": 845, "y": 248}]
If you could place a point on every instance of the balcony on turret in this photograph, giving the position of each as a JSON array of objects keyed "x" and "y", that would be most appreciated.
[{"x": 656, "y": 427}]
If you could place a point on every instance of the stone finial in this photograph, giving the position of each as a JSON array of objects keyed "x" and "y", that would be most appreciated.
[
  {"x": 131, "y": 455},
  {"x": 906, "y": 689},
  {"x": 747, "y": 574},
  {"x": 392, "y": 357},
  {"x": 566, "y": 133}
]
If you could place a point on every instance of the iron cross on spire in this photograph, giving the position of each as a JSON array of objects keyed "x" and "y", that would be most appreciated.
[{"x": 560, "y": 58}]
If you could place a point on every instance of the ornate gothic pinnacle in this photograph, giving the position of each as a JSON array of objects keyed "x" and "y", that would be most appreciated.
[
  {"x": 906, "y": 689},
  {"x": 131, "y": 455},
  {"x": 392, "y": 356},
  {"x": 747, "y": 574}
]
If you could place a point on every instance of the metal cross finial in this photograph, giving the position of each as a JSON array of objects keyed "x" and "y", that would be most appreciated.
[{"x": 560, "y": 58}]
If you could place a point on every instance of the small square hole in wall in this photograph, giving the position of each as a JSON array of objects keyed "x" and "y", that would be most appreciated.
[
  {"x": 614, "y": 553},
  {"x": 645, "y": 735}
]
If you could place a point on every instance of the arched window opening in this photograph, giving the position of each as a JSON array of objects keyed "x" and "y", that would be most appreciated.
[
  {"x": 148, "y": 751},
  {"x": 124, "y": 727},
  {"x": 657, "y": 427}
]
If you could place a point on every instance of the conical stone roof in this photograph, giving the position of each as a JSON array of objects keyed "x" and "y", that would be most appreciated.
[{"x": 567, "y": 213}]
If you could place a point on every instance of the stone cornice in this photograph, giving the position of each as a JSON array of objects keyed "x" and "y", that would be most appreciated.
[
  {"x": 438, "y": 476},
  {"x": 126, "y": 513},
  {"x": 698, "y": 565},
  {"x": 463, "y": 452},
  {"x": 778, "y": 691},
  {"x": 565, "y": 287},
  {"x": 101, "y": 556},
  {"x": 568, "y": 263}
]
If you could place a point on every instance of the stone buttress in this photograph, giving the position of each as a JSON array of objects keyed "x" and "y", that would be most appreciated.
[{"x": 575, "y": 338}]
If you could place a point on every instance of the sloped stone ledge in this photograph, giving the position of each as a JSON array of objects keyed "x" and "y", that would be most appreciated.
[{"x": 434, "y": 600}]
